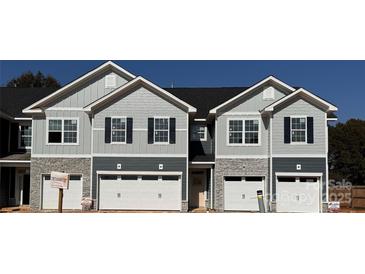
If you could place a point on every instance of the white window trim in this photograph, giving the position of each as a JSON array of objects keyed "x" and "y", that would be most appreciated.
[
  {"x": 62, "y": 132},
  {"x": 111, "y": 129},
  {"x": 20, "y": 137},
  {"x": 168, "y": 130},
  {"x": 243, "y": 132},
  {"x": 291, "y": 130},
  {"x": 205, "y": 134}
]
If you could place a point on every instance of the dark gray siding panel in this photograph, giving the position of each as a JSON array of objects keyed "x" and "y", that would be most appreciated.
[
  {"x": 308, "y": 165},
  {"x": 197, "y": 148},
  {"x": 4, "y": 136},
  {"x": 139, "y": 164}
]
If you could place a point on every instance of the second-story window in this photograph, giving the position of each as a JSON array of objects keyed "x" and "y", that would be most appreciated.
[
  {"x": 235, "y": 131},
  {"x": 251, "y": 131},
  {"x": 25, "y": 140},
  {"x": 244, "y": 131},
  {"x": 198, "y": 133},
  {"x": 119, "y": 130},
  {"x": 161, "y": 130},
  {"x": 63, "y": 131},
  {"x": 298, "y": 129}
]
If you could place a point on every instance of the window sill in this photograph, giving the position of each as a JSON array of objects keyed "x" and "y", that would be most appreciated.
[{"x": 62, "y": 144}]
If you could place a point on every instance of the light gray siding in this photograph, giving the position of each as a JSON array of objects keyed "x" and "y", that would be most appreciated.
[
  {"x": 308, "y": 165},
  {"x": 40, "y": 145},
  {"x": 84, "y": 94},
  {"x": 139, "y": 164},
  {"x": 299, "y": 107},
  {"x": 141, "y": 104}
]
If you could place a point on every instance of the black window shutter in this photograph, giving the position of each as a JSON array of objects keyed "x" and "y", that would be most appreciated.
[
  {"x": 150, "y": 130},
  {"x": 310, "y": 132},
  {"x": 108, "y": 129},
  {"x": 129, "y": 130},
  {"x": 286, "y": 130},
  {"x": 172, "y": 130}
]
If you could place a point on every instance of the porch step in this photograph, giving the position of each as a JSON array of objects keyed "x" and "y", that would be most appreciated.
[{"x": 15, "y": 209}]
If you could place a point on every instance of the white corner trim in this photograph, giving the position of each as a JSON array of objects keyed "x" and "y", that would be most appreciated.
[
  {"x": 262, "y": 82},
  {"x": 78, "y": 80}
]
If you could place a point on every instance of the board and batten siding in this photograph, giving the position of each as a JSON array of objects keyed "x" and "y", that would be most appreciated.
[
  {"x": 299, "y": 107},
  {"x": 84, "y": 94},
  {"x": 140, "y": 104},
  {"x": 40, "y": 145}
]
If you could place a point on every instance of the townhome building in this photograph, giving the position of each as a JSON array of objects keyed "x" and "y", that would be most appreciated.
[{"x": 129, "y": 144}]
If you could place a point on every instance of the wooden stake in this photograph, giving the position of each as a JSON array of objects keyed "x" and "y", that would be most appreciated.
[{"x": 60, "y": 199}]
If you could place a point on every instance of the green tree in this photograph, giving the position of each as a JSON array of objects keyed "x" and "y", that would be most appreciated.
[
  {"x": 30, "y": 80},
  {"x": 347, "y": 151}
]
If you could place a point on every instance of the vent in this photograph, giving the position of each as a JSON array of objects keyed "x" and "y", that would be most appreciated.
[
  {"x": 269, "y": 93},
  {"x": 110, "y": 81}
]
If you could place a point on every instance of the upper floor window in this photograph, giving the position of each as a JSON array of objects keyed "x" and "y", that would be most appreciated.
[
  {"x": 198, "y": 133},
  {"x": 25, "y": 136},
  {"x": 119, "y": 130},
  {"x": 242, "y": 131},
  {"x": 298, "y": 129},
  {"x": 161, "y": 130},
  {"x": 63, "y": 131}
]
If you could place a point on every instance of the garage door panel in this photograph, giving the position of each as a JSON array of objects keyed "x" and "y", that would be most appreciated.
[
  {"x": 241, "y": 196},
  {"x": 140, "y": 195},
  {"x": 298, "y": 197},
  {"x": 71, "y": 197}
]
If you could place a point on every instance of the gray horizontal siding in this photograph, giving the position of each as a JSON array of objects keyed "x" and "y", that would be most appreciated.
[
  {"x": 40, "y": 134},
  {"x": 88, "y": 92},
  {"x": 299, "y": 107},
  {"x": 139, "y": 164},
  {"x": 308, "y": 165}
]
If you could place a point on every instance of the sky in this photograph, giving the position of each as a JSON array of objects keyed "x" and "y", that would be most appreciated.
[{"x": 339, "y": 82}]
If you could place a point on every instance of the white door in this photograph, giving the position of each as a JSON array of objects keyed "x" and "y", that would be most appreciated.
[
  {"x": 298, "y": 194},
  {"x": 240, "y": 193},
  {"x": 71, "y": 197},
  {"x": 132, "y": 192}
]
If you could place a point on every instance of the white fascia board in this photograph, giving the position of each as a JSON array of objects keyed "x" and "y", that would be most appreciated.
[
  {"x": 78, "y": 80},
  {"x": 267, "y": 79},
  {"x": 271, "y": 107},
  {"x": 15, "y": 161},
  {"x": 23, "y": 119},
  {"x": 138, "y": 79}
]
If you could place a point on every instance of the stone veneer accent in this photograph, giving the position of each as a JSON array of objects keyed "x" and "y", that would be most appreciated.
[
  {"x": 236, "y": 167},
  {"x": 41, "y": 166}
]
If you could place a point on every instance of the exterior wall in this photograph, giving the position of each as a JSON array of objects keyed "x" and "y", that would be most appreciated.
[
  {"x": 293, "y": 108},
  {"x": 224, "y": 149},
  {"x": 140, "y": 104},
  {"x": 40, "y": 166},
  {"x": 237, "y": 167},
  {"x": 15, "y": 136},
  {"x": 40, "y": 145},
  {"x": 139, "y": 164},
  {"x": 203, "y": 147},
  {"x": 308, "y": 165},
  {"x": 83, "y": 95}
]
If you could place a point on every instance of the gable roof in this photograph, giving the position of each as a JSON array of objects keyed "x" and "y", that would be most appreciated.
[
  {"x": 270, "y": 79},
  {"x": 308, "y": 94},
  {"x": 107, "y": 65},
  {"x": 126, "y": 87},
  {"x": 14, "y": 100},
  {"x": 204, "y": 99}
]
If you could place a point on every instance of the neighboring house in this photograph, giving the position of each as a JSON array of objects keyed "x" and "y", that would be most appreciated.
[
  {"x": 15, "y": 143},
  {"x": 131, "y": 145}
]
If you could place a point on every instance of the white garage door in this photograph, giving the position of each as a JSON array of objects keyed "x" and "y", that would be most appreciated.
[
  {"x": 297, "y": 194},
  {"x": 240, "y": 193},
  {"x": 71, "y": 197},
  {"x": 132, "y": 192}
]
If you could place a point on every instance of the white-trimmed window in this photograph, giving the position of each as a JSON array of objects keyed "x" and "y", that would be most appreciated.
[
  {"x": 161, "y": 130},
  {"x": 63, "y": 131},
  {"x": 110, "y": 81},
  {"x": 25, "y": 136},
  {"x": 298, "y": 129},
  {"x": 198, "y": 132},
  {"x": 244, "y": 132},
  {"x": 119, "y": 129}
]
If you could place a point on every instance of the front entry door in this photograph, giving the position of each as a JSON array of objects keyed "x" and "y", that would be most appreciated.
[
  {"x": 26, "y": 189},
  {"x": 197, "y": 190}
]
